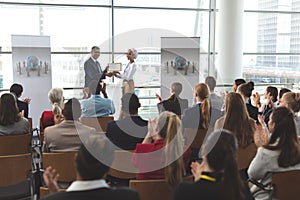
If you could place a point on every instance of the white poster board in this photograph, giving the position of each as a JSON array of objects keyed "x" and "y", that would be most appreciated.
[
  {"x": 180, "y": 63},
  {"x": 31, "y": 58}
]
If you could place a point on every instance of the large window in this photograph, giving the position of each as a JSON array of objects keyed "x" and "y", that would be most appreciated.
[{"x": 272, "y": 40}]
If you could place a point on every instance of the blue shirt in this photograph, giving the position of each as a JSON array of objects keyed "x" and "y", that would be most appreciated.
[{"x": 96, "y": 106}]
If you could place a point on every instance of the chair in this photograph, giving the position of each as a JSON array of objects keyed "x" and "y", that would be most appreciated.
[
  {"x": 30, "y": 123},
  {"x": 64, "y": 165},
  {"x": 245, "y": 156},
  {"x": 99, "y": 123},
  {"x": 286, "y": 184},
  {"x": 14, "y": 173},
  {"x": 123, "y": 161},
  {"x": 156, "y": 189},
  {"x": 15, "y": 144},
  {"x": 195, "y": 137}
]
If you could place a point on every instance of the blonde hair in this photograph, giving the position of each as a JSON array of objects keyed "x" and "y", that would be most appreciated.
[
  {"x": 55, "y": 96},
  {"x": 293, "y": 100},
  {"x": 202, "y": 91},
  {"x": 170, "y": 129}
]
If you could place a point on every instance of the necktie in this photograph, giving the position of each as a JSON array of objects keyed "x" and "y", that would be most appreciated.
[{"x": 98, "y": 68}]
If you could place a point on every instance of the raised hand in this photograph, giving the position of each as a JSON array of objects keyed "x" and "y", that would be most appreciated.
[
  {"x": 27, "y": 100},
  {"x": 50, "y": 178}
]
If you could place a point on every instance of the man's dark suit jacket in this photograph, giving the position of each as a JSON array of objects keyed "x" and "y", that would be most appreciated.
[
  {"x": 176, "y": 106},
  {"x": 96, "y": 194},
  {"x": 92, "y": 72},
  {"x": 127, "y": 132},
  {"x": 23, "y": 106},
  {"x": 192, "y": 117}
]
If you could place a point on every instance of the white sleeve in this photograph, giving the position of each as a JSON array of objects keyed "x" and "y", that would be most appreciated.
[
  {"x": 128, "y": 73},
  {"x": 259, "y": 166}
]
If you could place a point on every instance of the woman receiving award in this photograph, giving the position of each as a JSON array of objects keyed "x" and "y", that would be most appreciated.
[{"x": 130, "y": 69}]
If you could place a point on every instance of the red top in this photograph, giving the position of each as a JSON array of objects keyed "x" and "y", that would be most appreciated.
[
  {"x": 47, "y": 119},
  {"x": 148, "y": 162}
]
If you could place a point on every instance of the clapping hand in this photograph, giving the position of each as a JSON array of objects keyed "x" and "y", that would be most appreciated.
[
  {"x": 197, "y": 170},
  {"x": 50, "y": 178},
  {"x": 27, "y": 100},
  {"x": 151, "y": 131}
]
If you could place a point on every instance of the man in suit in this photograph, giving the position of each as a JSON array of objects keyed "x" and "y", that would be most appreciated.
[
  {"x": 17, "y": 89},
  {"x": 174, "y": 103},
  {"x": 214, "y": 100},
  {"x": 96, "y": 106},
  {"x": 93, "y": 70},
  {"x": 67, "y": 135},
  {"x": 132, "y": 129},
  {"x": 92, "y": 164}
]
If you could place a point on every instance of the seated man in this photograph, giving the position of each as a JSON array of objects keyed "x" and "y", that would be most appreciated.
[
  {"x": 96, "y": 106},
  {"x": 92, "y": 163},
  {"x": 173, "y": 103},
  {"x": 215, "y": 100},
  {"x": 68, "y": 135},
  {"x": 132, "y": 129},
  {"x": 17, "y": 89}
]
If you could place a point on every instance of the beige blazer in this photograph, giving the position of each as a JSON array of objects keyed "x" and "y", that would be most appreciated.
[{"x": 66, "y": 136}]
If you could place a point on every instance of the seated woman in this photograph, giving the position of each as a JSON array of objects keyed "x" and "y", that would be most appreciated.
[
  {"x": 281, "y": 153},
  {"x": 291, "y": 100},
  {"x": 237, "y": 120},
  {"x": 51, "y": 117},
  {"x": 162, "y": 153},
  {"x": 217, "y": 177},
  {"x": 11, "y": 121},
  {"x": 245, "y": 90},
  {"x": 173, "y": 103}
]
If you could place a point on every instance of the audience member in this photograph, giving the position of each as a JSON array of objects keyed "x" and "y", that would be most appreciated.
[
  {"x": 173, "y": 103},
  {"x": 51, "y": 117},
  {"x": 271, "y": 94},
  {"x": 215, "y": 100},
  {"x": 162, "y": 153},
  {"x": 69, "y": 134},
  {"x": 11, "y": 121},
  {"x": 291, "y": 100},
  {"x": 281, "y": 153},
  {"x": 237, "y": 120},
  {"x": 217, "y": 176},
  {"x": 17, "y": 89},
  {"x": 129, "y": 71},
  {"x": 96, "y": 106},
  {"x": 126, "y": 133},
  {"x": 245, "y": 90},
  {"x": 236, "y": 83},
  {"x": 201, "y": 115},
  {"x": 92, "y": 164},
  {"x": 282, "y": 91}
]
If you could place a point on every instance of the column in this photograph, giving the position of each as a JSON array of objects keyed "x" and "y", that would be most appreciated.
[{"x": 230, "y": 37}]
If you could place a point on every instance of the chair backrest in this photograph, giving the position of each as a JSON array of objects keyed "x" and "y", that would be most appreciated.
[
  {"x": 14, "y": 169},
  {"x": 245, "y": 156},
  {"x": 286, "y": 184},
  {"x": 99, "y": 123},
  {"x": 123, "y": 160},
  {"x": 15, "y": 144},
  {"x": 30, "y": 123},
  {"x": 157, "y": 189},
  {"x": 63, "y": 163},
  {"x": 195, "y": 137}
]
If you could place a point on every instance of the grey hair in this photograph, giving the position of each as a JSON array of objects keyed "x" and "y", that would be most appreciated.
[
  {"x": 176, "y": 87},
  {"x": 134, "y": 52},
  {"x": 55, "y": 95}
]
